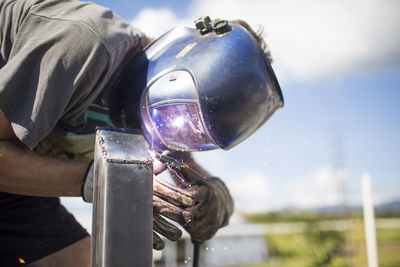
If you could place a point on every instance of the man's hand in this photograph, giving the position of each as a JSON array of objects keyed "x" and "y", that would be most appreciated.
[
  {"x": 161, "y": 225},
  {"x": 200, "y": 205}
]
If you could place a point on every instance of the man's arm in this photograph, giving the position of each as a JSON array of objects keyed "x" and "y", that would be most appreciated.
[{"x": 25, "y": 172}]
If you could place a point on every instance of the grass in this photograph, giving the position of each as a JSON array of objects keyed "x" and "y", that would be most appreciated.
[{"x": 315, "y": 247}]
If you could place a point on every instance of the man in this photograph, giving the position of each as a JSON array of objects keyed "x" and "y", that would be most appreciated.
[{"x": 59, "y": 60}]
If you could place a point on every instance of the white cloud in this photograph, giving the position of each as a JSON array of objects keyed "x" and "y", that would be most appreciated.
[
  {"x": 252, "y": 192},
  {"x": 156, "y": 21},
  {"x": 255, "y": 191},
  {"x": 215, "y": 161},
  {"x": 319, "y": 189},
  {"x": 309, "y": 39}
]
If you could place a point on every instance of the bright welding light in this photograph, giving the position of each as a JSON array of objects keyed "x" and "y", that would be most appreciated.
[
  {"x": 152, "y": 153},
  {"x": 179, "y": 127},
  {"x": 179, "y": 121}
]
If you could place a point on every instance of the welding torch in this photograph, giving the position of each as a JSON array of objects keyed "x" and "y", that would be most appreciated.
[
  {"x": 179, "y": 164},
  {"x": 174, "y": 164}
]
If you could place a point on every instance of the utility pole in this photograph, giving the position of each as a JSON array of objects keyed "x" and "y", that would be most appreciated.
[
  {"x": 341, "y": 180},
  {"x": 369, "y": 221},
  {"x": 339, "y": 170}
]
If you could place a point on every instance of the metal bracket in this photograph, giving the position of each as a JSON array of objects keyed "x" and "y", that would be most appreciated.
[{"x": 122, "y": 200}]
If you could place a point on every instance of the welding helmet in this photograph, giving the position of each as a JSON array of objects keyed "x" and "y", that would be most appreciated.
[{"x": 198, "y": 89}]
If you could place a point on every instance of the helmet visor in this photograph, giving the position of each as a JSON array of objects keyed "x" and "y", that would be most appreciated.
[{"x": 180, "y": 128}]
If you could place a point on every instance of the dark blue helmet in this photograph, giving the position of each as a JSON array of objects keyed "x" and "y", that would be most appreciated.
[{"x": 198, "y": 89}]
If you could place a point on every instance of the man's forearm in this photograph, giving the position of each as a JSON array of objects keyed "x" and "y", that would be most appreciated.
[{"x": 25, "y": 172}]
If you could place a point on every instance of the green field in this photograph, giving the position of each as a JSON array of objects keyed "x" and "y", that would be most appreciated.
[{"x": 317, "y": 247}]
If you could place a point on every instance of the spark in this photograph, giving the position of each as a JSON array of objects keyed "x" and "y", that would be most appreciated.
[
  {"x": 21, "y": 260},
  {"x": 188, "y": 220}
]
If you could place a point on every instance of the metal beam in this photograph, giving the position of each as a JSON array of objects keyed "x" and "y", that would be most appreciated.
[{"x": 122, "y": 200}]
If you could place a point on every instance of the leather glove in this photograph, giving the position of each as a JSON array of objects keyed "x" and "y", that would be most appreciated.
[
  {"x": 200, "y": 205},
  {"x": 161, "y": 225}
]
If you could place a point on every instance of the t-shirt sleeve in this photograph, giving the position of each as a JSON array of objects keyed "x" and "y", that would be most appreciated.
[{"x": 55, "y": 70}]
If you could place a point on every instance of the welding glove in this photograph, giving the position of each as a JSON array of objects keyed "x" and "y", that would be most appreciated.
[
  {"x": 201, "y": 205},
  {"x": 161, "y": 225}
]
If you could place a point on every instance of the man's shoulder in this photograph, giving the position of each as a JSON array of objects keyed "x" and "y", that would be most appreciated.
[{"x": 112, "y": 31}]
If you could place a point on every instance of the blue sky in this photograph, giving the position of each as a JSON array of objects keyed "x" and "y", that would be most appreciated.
[{"x": 338, "y": 63}]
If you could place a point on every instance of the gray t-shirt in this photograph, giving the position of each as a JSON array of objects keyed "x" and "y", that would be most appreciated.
[{"x": 56, "y": 57}]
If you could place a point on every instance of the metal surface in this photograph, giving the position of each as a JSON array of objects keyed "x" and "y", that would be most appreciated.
[{"x": 122, "y": 201}]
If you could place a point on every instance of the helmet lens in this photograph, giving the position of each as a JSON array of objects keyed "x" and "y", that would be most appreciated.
[{"x": 180, "y": 127}]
